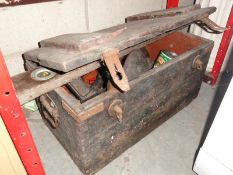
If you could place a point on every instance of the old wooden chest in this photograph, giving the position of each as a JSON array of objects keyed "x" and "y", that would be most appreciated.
[
  {"x": 95, "y": 125},
  {"x": 93, "y": 138}
]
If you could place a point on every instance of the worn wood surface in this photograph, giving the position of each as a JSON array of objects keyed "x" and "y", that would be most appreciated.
[
  {"x": 162, "y": 13},
  {"x": 28, "y": 89},
  {"x": 52, "y": 53},
  {"x": 136, "y": 35},
  {"x": 154, "y": 97},
  {"x": 74, "y": 108}
]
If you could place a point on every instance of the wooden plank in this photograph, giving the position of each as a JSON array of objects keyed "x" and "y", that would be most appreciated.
[
  {"x": 162, "y": 13},
  {"x": 25, "y": 87},
  {"x": 54, "y": 55},
  {"x": 74, "y": 108},
  {"x": 154, "y": 97},
  {"x": 28, "y": 89},
  {"x": 10, "y": 163},
  {"x": 60, "y": 59}
]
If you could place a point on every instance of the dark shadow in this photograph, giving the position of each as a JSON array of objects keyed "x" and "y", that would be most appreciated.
[{"x": 221, "y": 87}]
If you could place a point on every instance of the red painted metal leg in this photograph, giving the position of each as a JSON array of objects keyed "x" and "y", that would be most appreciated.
[
  {"x": 226, "y": 39},
  {"x": 172, "y": 3},
  {"x": 16, "y": 124}
]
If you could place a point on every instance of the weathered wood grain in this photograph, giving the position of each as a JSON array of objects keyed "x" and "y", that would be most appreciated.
[
  {"x": 25, "y": 86},
  {"x": 162, "y": 13},
  {"x": 134, "y": 33},
  {"x": 28, "y": 89}
]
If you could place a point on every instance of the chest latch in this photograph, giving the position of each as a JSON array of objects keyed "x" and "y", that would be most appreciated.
[{"x": 111, "y": 59}]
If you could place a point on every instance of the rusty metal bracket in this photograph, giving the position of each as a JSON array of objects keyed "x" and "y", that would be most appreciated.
[
  {"x": 197, "y": 63},
  {"x": 116, "y": 109},
  {"x": 112, "y": 61},
  {"x": 51, "y": 110},
  {"x": 210, "y": 26}
]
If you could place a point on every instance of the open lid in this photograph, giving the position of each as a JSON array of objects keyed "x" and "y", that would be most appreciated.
[{"x": 70, "y": 51}]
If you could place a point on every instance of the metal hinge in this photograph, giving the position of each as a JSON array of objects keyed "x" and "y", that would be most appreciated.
[
  {"x": 112, "y": 61},
  {"x": 210, "y": 26}
]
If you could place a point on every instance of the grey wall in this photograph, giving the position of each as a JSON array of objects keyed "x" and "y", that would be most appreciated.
[{"x": 22, "y": 27}]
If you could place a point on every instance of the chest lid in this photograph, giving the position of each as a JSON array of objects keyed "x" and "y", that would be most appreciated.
[{"x": 70, "y": 51}]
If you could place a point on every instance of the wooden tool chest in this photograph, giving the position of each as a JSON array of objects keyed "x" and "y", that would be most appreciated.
[
  {"x": 93, "y": 138},
  {"x": 133, "y": 100}
]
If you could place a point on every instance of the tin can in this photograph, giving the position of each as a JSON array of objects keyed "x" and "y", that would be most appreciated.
[{"x": 164, "y": 56}]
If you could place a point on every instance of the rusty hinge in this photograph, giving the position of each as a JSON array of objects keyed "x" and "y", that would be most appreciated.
[
  {"x": 112, "y": 61},
  {"x": 210, "y": 26}
]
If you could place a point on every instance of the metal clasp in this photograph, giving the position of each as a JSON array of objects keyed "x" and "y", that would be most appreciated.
[{"x": 112, "y": 61}]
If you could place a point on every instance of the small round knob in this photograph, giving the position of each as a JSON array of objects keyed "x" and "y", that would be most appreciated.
[{"x": 197, "y": 63}]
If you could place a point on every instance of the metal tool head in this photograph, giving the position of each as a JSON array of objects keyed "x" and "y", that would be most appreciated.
[{"x": 42, "y": 74}]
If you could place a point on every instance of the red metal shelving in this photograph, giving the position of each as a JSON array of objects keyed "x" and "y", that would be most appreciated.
[{"x": 16, "y": 124}]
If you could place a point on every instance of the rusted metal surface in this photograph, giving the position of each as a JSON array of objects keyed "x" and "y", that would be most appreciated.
[
  {"x": 197, "y": 63},
  {"x": 132, "y": 34},
  {"x": 208, "y": 78},
  {"x": 162, "y": 13},
  {"x": 171, "y": 42},
  {"x": 210, "y": 26},
  {"x": 112, "y": 61},
  {"x": 154, "y": 97}
]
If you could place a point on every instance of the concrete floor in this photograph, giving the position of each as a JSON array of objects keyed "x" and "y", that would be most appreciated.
[{"x": 168, "y": 150}]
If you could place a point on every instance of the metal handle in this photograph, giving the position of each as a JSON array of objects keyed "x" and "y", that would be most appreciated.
[
  {"x": 197, "y": 63},
  {"x": 51, "y": 113}
]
